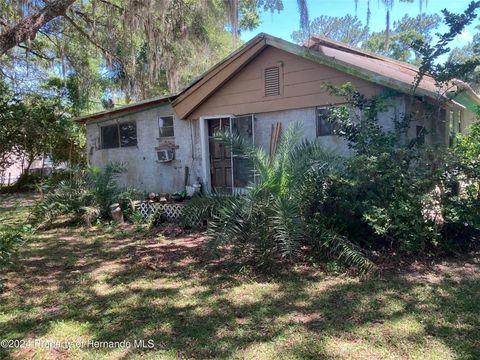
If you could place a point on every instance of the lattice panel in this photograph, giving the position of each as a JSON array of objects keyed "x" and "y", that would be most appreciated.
[{"x": 167, "y": 212}]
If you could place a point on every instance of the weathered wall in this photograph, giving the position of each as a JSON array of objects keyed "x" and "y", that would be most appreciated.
[
  {"x": 145, "y": 173},
  {"x": 307, "y": 118},
  {"x": 11, "y": 174},
  {"x": 469, "y": 117}
]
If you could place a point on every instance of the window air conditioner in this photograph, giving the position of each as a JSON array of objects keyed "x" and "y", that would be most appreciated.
[{"x": 165, "y": 155}]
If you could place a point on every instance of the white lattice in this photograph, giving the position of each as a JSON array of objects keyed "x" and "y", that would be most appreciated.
[{"x": 154, "y": 211}]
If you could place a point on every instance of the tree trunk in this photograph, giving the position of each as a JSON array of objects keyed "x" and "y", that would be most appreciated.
[
  {"x": 31, "y": 158},
  {"x": 27, "y": 28}
]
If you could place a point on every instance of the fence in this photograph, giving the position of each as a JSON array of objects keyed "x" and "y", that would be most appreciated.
[{"x": 170, "y": 212}]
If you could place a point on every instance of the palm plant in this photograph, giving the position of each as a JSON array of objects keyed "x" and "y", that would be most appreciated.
[
  {"x": 271, "y": 221},
  {"x": 85, "y": 196}
]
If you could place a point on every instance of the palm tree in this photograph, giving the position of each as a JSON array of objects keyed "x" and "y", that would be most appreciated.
[{"x": 271, "y": 221}]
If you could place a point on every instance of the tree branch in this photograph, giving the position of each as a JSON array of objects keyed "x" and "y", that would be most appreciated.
[
  {"x": 113, "y": 5},
  {"x": 37, "y": 54},
  {"x": 27, "y": 28},
  {"x": 88, "y": 37}
]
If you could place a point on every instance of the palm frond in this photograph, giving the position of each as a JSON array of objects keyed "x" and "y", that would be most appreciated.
[
  {"x": 228, "y": 224},
  {"x": 287, "y": 226},
  {"x": 242, "y": 148},
  {"x": 343, "y": 249}
]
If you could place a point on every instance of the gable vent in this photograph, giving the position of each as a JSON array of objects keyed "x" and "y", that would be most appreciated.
[{"x": 272, "y": 81}]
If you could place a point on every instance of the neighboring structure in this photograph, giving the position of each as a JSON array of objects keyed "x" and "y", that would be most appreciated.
[
  {"x": 166, "y": 142},
  {"x": 41, "y": 165}
]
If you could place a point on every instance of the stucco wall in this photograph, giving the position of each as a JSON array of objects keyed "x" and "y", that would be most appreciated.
[
  {"x": 307, "y": 118},
  {"x": 145, "y": 173},
  {"x": 469, "y": 117}
]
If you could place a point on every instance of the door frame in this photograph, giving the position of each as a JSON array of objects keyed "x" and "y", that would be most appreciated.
[{"x": 205, "y": 150}]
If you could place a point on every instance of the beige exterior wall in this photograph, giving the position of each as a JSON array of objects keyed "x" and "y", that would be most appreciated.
[
  {"x": 302, "y": 86},
  {"x": 11, "y": 174}
]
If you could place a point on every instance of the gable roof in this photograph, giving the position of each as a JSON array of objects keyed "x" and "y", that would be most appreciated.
[
  {"x": 378, "y": 69},
  {"x": 375, "y": 68}
]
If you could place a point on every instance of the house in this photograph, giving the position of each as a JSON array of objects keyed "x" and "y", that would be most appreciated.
[
  {"x": 42, "y": 166},
  {"x": 167, "y": 141}
]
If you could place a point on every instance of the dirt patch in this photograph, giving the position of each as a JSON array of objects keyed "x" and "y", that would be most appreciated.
[
  {"x": 432, "y": 270},
  {"x": 9, "y": 201},
  {"x": 175, "y": 248}
]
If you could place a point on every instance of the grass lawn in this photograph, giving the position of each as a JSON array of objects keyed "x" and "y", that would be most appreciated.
[{"x": 111, "y": 284}]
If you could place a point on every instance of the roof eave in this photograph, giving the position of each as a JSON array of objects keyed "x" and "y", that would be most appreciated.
[
  {"x": 348, "y": 68},
  {"x": 466, "y": 96},
  {"x": 126, "y": 109}
]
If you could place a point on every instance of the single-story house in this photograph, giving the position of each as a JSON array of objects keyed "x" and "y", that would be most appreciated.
[{"x": 167, "y": 141}]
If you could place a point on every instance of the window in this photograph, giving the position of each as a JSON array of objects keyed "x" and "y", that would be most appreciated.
[
  {"x": 128, "y": 134},
  {"x": 272, "y": 81},
  {"x": 325, "y": 127},
  {"x": 119, "y": 135},
  {"x": 110, "y": 138},
  {"x": 165, "y": 124}
]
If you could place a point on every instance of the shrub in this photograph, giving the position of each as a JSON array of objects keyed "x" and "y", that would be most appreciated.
[
  {"x": 271, "y": 222},
  {"x": 86, "y": 196},
  {"x": 11, "y": 239},
  {"x": 397, "y": 192},
  {"x": 461, "y": 196},
  {"x": 392, "y": 193}
]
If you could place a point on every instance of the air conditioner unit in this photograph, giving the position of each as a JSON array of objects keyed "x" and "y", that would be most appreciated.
[{"x": 165, "y": 155}]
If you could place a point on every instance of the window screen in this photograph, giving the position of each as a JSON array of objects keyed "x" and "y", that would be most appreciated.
[
  {"x": 166, "y": 126},
  {"x": 324, "y": 126},
  {"x": 128, "y": 134},
  {"x": 110, "y": 138}
]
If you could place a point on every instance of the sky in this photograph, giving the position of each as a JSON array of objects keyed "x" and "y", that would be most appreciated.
[{"x": 284, "y": 23}]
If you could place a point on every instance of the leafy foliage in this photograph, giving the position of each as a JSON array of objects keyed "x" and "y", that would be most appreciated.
[
  {"x": 86, "y": 196},
  {"x": 460, "y": 56},
  {"x": 347, "y": 29},
  {"x": 270, "y": 223},
  {"x": 404, "y": 32},
  {"x": 12, "y": 237},
  {"x": 395, "y": 191},
  {"x": 352, "y": 31},
  {"x": 34, "y": 125},
  {"x": 430, "y": 52}
]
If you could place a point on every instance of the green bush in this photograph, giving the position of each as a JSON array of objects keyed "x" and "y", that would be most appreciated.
[
  {"x": 271, "y": 222},
  {"x": 461, "y": 196},
  {"x": 397, "y": 192},
  {"x": 393, "y": 194},
  {"x": 11, "y": 239},
  {"x": 85, "y": 196}
]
